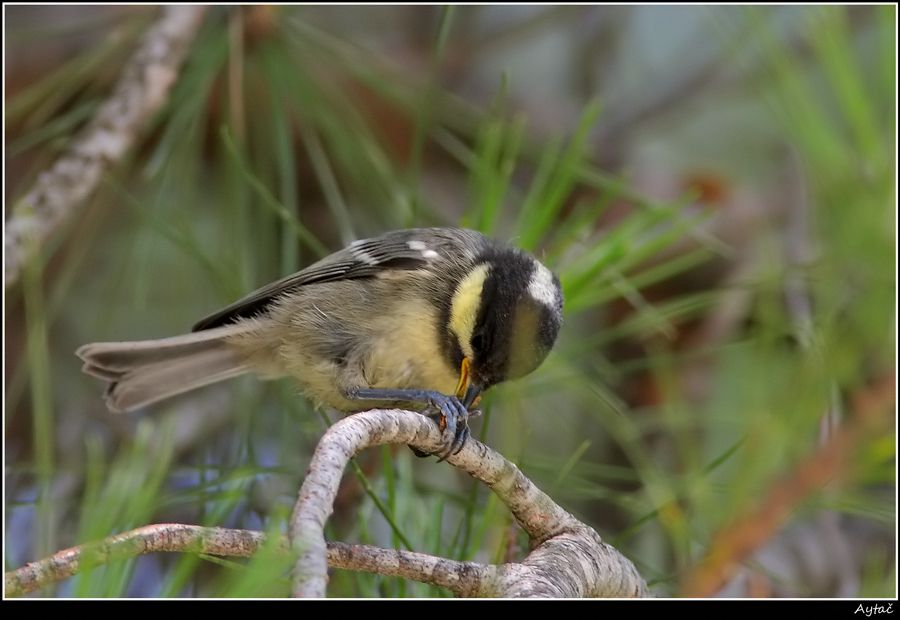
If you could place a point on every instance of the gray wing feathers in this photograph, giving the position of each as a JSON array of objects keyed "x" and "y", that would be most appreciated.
[{"x": 404, "y": 249}]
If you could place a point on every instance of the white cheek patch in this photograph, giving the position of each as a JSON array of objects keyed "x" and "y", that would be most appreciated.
[
  {"x": 542, "y": 288},
  {"x": 361, "y": 254},
  {"x": 419, "y": 246}
]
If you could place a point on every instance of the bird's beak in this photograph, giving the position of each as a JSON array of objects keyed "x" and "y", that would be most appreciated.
[
  {"x": 472, "y": 396},
  {"x": 466, "y": 390},
  {"x": 463, "y": 382}
]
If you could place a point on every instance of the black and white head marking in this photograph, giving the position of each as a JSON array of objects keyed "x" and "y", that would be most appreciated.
[{"x": 543, "y": 287}]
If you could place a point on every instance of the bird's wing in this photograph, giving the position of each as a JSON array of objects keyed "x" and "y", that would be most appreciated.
[{"x": 398, "y": 250}]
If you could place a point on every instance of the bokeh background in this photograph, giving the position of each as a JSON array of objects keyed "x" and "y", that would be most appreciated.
[{"x": 715, "y": 185}]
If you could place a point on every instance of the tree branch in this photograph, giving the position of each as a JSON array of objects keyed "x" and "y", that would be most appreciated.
[
  {"x": 140, "y": 92},
  {"x": 461, "y": 578},
  {"x": 568, "y": 557},
  {"x": 148, "y": 539}
]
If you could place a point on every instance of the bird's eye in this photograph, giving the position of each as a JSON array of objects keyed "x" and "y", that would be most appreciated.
[{"x": 478, "y": 343}]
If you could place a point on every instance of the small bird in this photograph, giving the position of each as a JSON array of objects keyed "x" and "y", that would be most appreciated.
[{"x": 423, "y": 319}]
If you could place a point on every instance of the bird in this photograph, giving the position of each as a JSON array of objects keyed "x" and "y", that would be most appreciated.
[{"x": 424, "y": 319}]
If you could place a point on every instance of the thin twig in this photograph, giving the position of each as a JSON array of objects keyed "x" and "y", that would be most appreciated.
[{"x": 140, "y": 92}]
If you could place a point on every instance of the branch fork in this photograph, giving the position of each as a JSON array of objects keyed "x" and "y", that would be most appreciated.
[{"x": 567, "y": 558}]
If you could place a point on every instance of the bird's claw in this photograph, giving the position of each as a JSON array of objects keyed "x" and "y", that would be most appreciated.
[{"x": 452, "y": 418}]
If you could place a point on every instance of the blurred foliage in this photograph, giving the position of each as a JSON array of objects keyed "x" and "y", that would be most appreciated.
[{"x": 718, "y": 330}]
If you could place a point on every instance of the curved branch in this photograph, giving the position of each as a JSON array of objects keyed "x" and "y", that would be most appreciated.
[
  {"x": 139, "y": 93},
  {"x": 461, "y": 578},
  {"x": 569, "y": 559}
]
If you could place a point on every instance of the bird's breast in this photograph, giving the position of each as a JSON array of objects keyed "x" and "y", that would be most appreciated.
[{"x": 406, "y": 351}]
